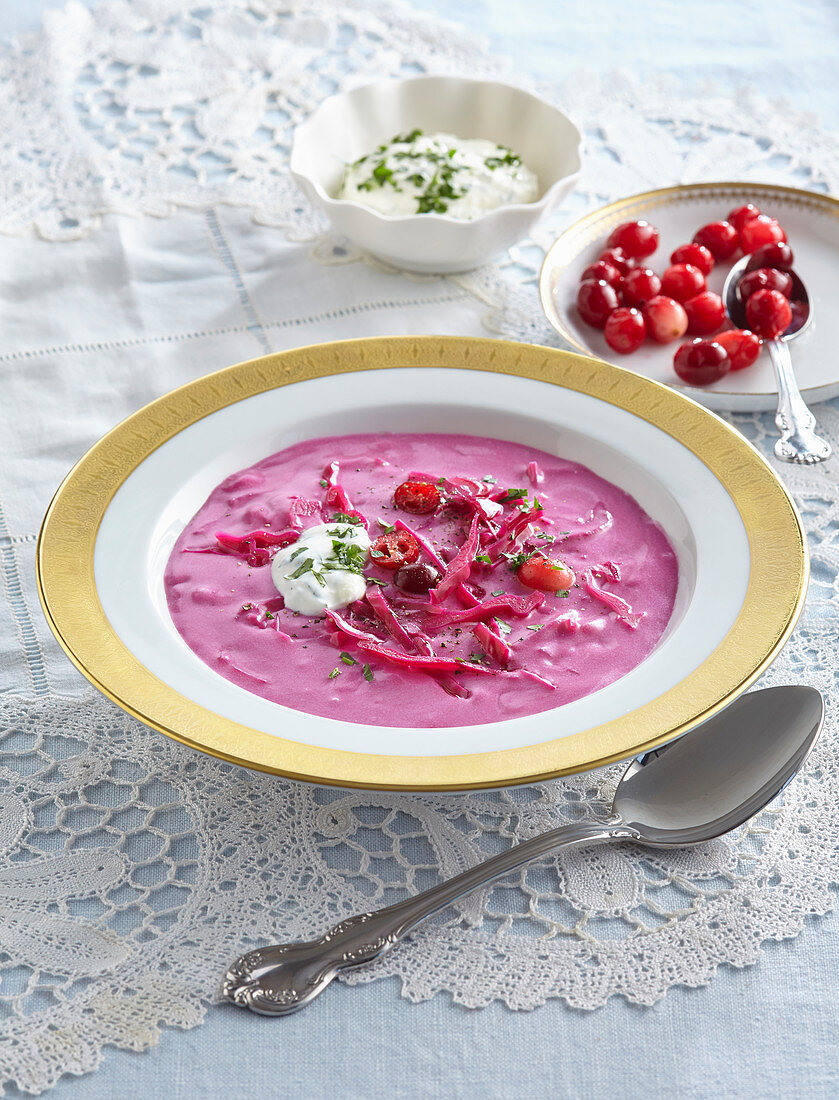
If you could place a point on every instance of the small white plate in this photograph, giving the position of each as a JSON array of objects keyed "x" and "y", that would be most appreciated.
[
  {"x": 812, "y": 225},
  {"x": 110, "y": 529}
]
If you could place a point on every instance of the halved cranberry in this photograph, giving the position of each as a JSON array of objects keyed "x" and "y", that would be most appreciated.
[
  {"x": 701, "y": 362},
  {"x": 595, "y": 301},
  {"x": 393, "y": 550},
  {"x": 765, "y": 278},
  {"x": 636, "y": 239},
  {"x": 625, "y": 330},
  {"x": 768, "y": 313},
  {"x": 420, "y": 498},
  {"x": 640, "y": 284},
  {"x": 617, "y": 258},
  {"x": 696, "y": 254},
  {"x": 601, "y": 270},
  {"x": 742, "y": 214},
  {"x": 760, "y": 231},
  {"x": 706, "y": 313},
  {"x": 743, "y": 347},
  {"x": 777, "y": 255},
  {"x": 720, "y": 238},
  {"x": 666, "y": 319},
  {"x": 416, "y": 578},
  {"x": 546, "y": 574},
  {"x": 682, "y": 281}
]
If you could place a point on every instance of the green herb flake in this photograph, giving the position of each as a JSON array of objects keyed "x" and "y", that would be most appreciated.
[
  {"x": 386, "y": 527},
  {"x": 270, "y": 615},
  {"x": 535, "y": 626},
  {"x": 512, "y": 494},
  {"x": 342, "y": 517},
  {"x": 505, "y": 628},
  {"x": 564, "y": 594},
  {"x": 484, "y": 558},
  {"x": 375, "y": 580},
  {"x": 301, "y": 569},
  {"x": 300, "y": 550},
  {"x": 324, "y": 484},
  {"x": 490, "y": 480},
  {"x": 367, "y": 673},
  {"x": 497, "y": 592},
  {"x": 335, "y": 672},
  {"x": 348, "y": 659}
]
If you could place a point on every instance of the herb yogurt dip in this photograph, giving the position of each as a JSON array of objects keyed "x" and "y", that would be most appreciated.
[
  {"x": 419, "y": 173},
  {"x": 420, "y": 580}
]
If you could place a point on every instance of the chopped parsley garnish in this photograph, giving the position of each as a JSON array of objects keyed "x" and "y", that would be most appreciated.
[
  {"x": 301, "y": 569},
  {"x": 497, "y": 592},
  {"x": 386, "y": 527},
  {"x": 296, "y": 553},
  {"x": 512, "y": 494},
  {"x": 375, "y": 580},
  {"x": 505, "y": 628},
  {"x": 349, "y": 555},
  {"x": 564, "y": 593},
  {"x": 484, "y": 558},
  {"x": 367, "y": 673},
  {"x": 407, "y": 139},
  {"x": 269, "y": 615},
  {"x": 335, "y": 672},
  {"x": 535, "y": 626},
  {"x": 342, "y": 517},
  {"x": 516, "y": 561},
  {"x": 490, "y": 480},
  {"x": 348, "y": 659},
  {"x": 324, "y": 484},
  {"x": 513, "y": 160}
]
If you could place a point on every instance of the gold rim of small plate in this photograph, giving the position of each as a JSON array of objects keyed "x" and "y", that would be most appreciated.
[
  {"x": 572, "y": 242},
  {"x": 773, "y": 601}
]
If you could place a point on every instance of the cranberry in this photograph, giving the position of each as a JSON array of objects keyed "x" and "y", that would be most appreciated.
[
  {"x": 636, "y": 239},
  {"x": 666, "y": 319},
  {"x": 720, "y": 238},
  {"x": 393, "y": 550},
  {"x": 706, "y": 313},
  {"x": 417, "y": 497},
  {"x": 601, "y": 270},
  {"x": 617, "y": 258},
  {"x": 768, "y": 313},
  {"x": 416, "y": 578},
  {"x": 701, "y": 362},
  {"x": 742, "y": 214},
  {"x": 595, "y": 301},
  {"x": 696, "y": 254},
  {"x": 546, "y": 574},
  {"x": 625, "y": 330},
  {"x": 777, "y": 255},
  {"x": 759, "y": 231},
  {"x": 639, "y": 285},
  {"x": 742, "y": 346},
  {"x": 765, "y": 278},
  {"x": 682, "y": 281}
]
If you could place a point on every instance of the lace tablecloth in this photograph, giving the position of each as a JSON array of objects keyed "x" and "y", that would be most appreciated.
[{"x": 153, "y": 234}]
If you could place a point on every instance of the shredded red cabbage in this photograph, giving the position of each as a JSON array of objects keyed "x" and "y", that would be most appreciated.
[
  {"x": 351, "y": 631},
  {"x": 426, "y": 664},
  {"x": 534, "y": 473},
  {"x": 301, "y": 508},
  {"x": 493, "y": 645},
  {"x": 621, "y": 608},
  {"x": 383, "y": 611},
  {"x": 460, "y": 566},
  {"x": 598, "y": 519},
  {"x": 519, "y": 606}
]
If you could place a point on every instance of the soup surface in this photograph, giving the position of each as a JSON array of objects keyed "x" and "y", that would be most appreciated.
[{"x": 511, "y": 582}]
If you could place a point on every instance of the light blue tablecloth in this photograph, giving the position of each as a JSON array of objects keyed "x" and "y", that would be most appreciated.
[{"x": 764, "y": 1032}]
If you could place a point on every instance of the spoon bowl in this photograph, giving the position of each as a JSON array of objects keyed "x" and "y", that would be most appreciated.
[
  {"x": 799, "y": 441},
  {"x": 689, "y": 791}
]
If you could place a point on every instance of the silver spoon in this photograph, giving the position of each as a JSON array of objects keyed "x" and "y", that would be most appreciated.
[
  {"x": 799, "y": 441},
  {"x": 689, "y": 791}
]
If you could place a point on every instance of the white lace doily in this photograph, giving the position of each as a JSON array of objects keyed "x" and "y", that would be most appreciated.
[{"x": 133, "y": 869}]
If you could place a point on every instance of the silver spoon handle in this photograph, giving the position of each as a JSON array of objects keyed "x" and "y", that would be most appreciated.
[
  {"x": 799, "y": 441},
  {"x": 283, "y": 978}
]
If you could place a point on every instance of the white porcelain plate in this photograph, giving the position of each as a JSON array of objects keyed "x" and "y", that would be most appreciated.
[
  {"x": 112, "y": 525},
  {"x": 812, "y": 225}
]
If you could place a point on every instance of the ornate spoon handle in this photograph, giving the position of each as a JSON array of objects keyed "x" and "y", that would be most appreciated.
[
  {"x": 799, "y": 441},
  {"x": 277, "y": 980}
]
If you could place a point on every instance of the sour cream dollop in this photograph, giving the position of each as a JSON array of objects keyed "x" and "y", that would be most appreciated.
[
  {"x": 323, "y": 569},
  {"x": 439, "y": 173}
]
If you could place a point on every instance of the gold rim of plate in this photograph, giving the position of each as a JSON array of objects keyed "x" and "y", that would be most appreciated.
[
  {"x": 774, "y": 597},
  {"x": 570, "y": 245}
]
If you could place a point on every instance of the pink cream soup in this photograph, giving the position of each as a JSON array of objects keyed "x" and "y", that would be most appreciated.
[{"x": 288, "y": 659}]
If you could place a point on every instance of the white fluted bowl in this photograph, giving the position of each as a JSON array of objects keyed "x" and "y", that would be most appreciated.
[{"x": 348, "y": 126}]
